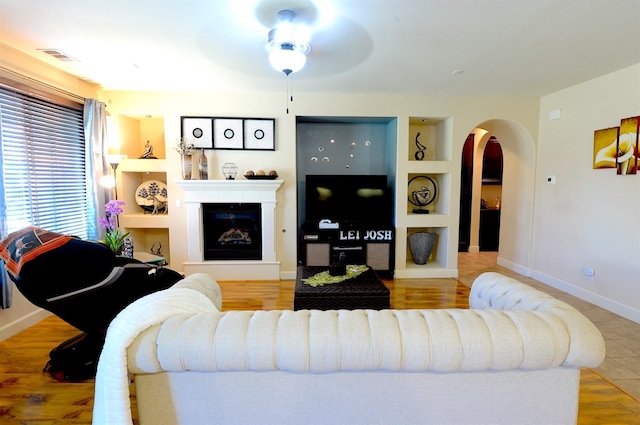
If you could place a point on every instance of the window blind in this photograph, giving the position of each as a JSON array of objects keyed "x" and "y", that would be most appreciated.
[{"x": 43, "y": 164}]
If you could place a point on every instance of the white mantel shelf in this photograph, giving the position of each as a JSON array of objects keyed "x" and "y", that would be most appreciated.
[
  {"x": 229, "y": 190},
  {"x": 230, "y": 184},
  {"x": 198, "y": 192}
]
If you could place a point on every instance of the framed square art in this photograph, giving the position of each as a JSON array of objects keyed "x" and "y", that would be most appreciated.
[
  {"x": 227, "y": 133},
  {"x": 197, "y": 131},
  {"x": 259, "y": 134}
]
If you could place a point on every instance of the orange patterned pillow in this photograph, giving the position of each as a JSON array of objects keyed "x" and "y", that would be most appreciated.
[{"x": 26, "y": 244}]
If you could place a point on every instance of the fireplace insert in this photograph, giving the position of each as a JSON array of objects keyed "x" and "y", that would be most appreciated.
[{"x": 232, "y": 231}]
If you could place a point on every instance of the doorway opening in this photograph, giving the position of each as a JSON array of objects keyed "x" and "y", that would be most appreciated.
[{"x": 480, "y": 194}]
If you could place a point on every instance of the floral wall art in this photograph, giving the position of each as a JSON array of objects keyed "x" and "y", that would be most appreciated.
[
  {"x": 618, "y": 147},
  {"x": 604, "y": 147},
  {"x": 628, "y": 145}
]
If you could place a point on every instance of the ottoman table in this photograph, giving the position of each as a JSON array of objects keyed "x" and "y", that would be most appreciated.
[{"x": 365, "y": 291}]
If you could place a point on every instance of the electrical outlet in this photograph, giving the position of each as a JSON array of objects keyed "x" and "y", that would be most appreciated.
[{"x": 589, "y": 272}]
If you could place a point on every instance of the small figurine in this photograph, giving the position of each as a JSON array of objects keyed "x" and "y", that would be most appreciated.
[
  {"x": 159, "y": 205},
  {"x": 419, "y": 155},
  {"x": 148, "y": 152},
  {"x": 422, "y": 196}
]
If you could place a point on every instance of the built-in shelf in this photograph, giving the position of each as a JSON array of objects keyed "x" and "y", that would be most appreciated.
[
  {"x": 152, "y": 221},
  {"x": 143, "y": 165},
  {"x": 441, "y": 203},
  {"x": 491, "y": 181},
  {"x": 434, "y": 219},
  {"x": 432, "y": 157},
  {"x": 146, "y": 229},
  {"x": 434, "y": 167}
]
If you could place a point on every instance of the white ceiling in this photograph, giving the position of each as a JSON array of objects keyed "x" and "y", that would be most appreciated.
[{"x": 503, "y": 47}]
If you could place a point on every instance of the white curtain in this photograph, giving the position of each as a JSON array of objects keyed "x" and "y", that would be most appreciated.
[
  {"x": 6, "y": 286},
  {"x": 95, "y": 134}
]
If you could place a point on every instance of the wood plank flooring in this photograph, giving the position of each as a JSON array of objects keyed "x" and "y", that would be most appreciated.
[{"x": 29, "y": 397}]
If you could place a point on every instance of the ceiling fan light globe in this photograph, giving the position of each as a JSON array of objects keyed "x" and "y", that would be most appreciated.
[{"x": 287, "y": 60}]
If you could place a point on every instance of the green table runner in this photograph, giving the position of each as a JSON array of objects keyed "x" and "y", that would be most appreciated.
[{"x": 324, "y": 278}]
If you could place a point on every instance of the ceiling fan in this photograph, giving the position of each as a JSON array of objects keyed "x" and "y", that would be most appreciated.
[
  {"x": 288, "y": 44},
  {"x": 248, "y": 31}
]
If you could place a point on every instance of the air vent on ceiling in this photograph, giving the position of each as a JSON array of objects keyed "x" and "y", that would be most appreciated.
[{"x": 58, "y": 55}]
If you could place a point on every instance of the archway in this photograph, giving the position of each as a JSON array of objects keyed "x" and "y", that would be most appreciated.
[
  {"x": 485, "y": 236},
  {"x": 516, "y": 202}
]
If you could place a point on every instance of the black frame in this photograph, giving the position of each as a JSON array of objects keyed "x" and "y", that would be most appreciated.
[
  {"x": 257, "y": 134},
  {"x": 190, "y": 125}
]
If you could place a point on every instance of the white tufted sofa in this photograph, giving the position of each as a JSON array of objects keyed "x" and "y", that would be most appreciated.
[{"x": 513, "y": 358}]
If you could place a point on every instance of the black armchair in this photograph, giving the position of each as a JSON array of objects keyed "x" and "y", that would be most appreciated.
[{"x": 82, "y": 282}]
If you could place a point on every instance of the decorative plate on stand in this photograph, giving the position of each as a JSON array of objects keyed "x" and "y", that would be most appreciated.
[{"x": 151, "y": 196}]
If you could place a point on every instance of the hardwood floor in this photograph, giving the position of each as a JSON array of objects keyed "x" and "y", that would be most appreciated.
[{"x": 28, "y": 396}]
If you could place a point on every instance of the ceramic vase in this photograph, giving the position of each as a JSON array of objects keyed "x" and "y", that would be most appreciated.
[
  {"x": 187, "y": 165},
  {"x": 203, "y": 167},
  {"x": 421, "y": 245}
]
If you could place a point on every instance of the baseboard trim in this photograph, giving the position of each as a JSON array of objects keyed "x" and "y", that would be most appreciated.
[
  {"x": 22, "y": 323},
  {"x": 514, "y": 267},
  {"x": 606, "y": 303},
  {"x": 288, "y": 275}
]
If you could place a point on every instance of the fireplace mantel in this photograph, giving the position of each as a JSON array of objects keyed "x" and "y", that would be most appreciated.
[{"x": 198, "y": 192}]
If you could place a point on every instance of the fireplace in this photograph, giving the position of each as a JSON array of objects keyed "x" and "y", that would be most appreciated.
[
  {"x": 200, "y": 195},
  {"x": 232, "y": 231}
]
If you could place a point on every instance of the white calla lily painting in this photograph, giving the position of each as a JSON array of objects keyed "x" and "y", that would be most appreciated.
[{"x": 618, "y": 147}]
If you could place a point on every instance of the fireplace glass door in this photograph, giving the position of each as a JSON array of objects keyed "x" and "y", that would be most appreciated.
[{"x": 232, "y": 231}]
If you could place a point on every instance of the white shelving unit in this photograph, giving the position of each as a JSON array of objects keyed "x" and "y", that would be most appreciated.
[
  {"x": 146, "y": 229},
  {"x": 434, "y": 161}
]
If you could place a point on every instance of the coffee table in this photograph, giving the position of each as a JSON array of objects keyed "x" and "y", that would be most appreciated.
[{"x": 365, "y": 291}]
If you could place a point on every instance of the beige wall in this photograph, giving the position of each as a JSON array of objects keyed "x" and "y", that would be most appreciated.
[
  {"x": 22, "y": 64},
  {"x": 589, "y": 218},
  {"x": 467, "y": 113}
]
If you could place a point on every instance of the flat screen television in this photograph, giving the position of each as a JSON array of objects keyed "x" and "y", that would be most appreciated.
[{"x": 348, "y": 198}]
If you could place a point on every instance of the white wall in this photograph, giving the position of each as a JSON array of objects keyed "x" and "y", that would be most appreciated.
[{"x": 589, "y": 218}]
